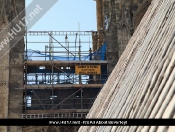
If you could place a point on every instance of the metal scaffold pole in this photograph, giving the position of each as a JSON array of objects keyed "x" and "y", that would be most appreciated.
[
  {"x": 81, "y": 102},
  {"x": 57, "y": 81},
  {"x": 52, "y": 86},
  {"x": 75, "y": 45},
  {"x": 79, "y": 52},
  {"x": 25, "y": 94}
]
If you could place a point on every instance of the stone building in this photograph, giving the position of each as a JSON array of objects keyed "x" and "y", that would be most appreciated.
[
  {"x": 11, "y": 65},
  {"x": 116, "y": 21},
  {"x": 142, "y": 84}
]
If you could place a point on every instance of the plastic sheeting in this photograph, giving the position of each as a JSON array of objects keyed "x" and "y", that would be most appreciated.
[{"x": 100, "y": 54}]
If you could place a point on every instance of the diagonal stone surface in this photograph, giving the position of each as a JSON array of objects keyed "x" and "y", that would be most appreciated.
[{"x": 142, "y": 83}]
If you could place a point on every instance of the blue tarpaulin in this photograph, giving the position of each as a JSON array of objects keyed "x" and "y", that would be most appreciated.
[{"x": 100, "y": 54}]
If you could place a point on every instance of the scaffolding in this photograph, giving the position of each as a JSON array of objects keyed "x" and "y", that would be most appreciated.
[{"x": 63, "y": 78}]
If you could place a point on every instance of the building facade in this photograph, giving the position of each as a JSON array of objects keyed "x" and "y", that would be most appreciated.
[{"x": 116, "y": 21}]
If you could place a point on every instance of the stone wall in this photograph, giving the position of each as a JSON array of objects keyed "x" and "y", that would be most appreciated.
[
  {"x": 120, "y": 19},
  {"x": 51, "y": 129},
  {"x": 11, "y": 66},
  {"x": 142, "y": 85}
]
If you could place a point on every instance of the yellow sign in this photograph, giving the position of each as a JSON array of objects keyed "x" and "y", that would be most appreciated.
[{"x": 87, "y": 69}]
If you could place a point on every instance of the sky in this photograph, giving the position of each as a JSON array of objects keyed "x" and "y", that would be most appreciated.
[{"x": 65, "y": 16}]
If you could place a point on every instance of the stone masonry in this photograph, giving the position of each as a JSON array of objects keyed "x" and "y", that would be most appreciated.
[
  {"x": 11, "y": 66},
  {"x": 118, "y": 19}
]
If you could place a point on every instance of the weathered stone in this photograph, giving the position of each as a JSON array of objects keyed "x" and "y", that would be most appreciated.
[
  {"x": 120, "y": 19},
  {"x": 142, "y": 85},
  {"x": 116, "y": 18},
  {"x": 8, "y": 11}
]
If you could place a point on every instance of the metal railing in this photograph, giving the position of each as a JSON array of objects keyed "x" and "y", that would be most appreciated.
[{"x": 58, "y": 115}]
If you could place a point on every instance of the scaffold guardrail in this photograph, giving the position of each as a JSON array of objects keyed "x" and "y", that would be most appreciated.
[
  {"x": 60, "y": 33},
  {"x": 58, "y": 115}
]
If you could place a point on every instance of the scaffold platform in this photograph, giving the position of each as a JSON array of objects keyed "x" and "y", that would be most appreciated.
[
  {"x": 62, "y": 86},
  {"x": 62, "y": 63},
  {"x": 61, "y": 80}
]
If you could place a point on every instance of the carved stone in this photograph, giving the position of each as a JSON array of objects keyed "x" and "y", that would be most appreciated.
[
  {"x": 120, "y": 20},
  {"x": 9, "y": 77}
]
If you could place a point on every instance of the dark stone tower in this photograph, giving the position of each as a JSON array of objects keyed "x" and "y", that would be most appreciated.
[{"x": 11, "y": 65}]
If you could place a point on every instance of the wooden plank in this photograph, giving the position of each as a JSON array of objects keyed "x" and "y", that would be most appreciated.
[
  {"x": 57, "y": 111},
  {"x": 61, "y": 86},
  {"x": 62, "y": 63}
]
